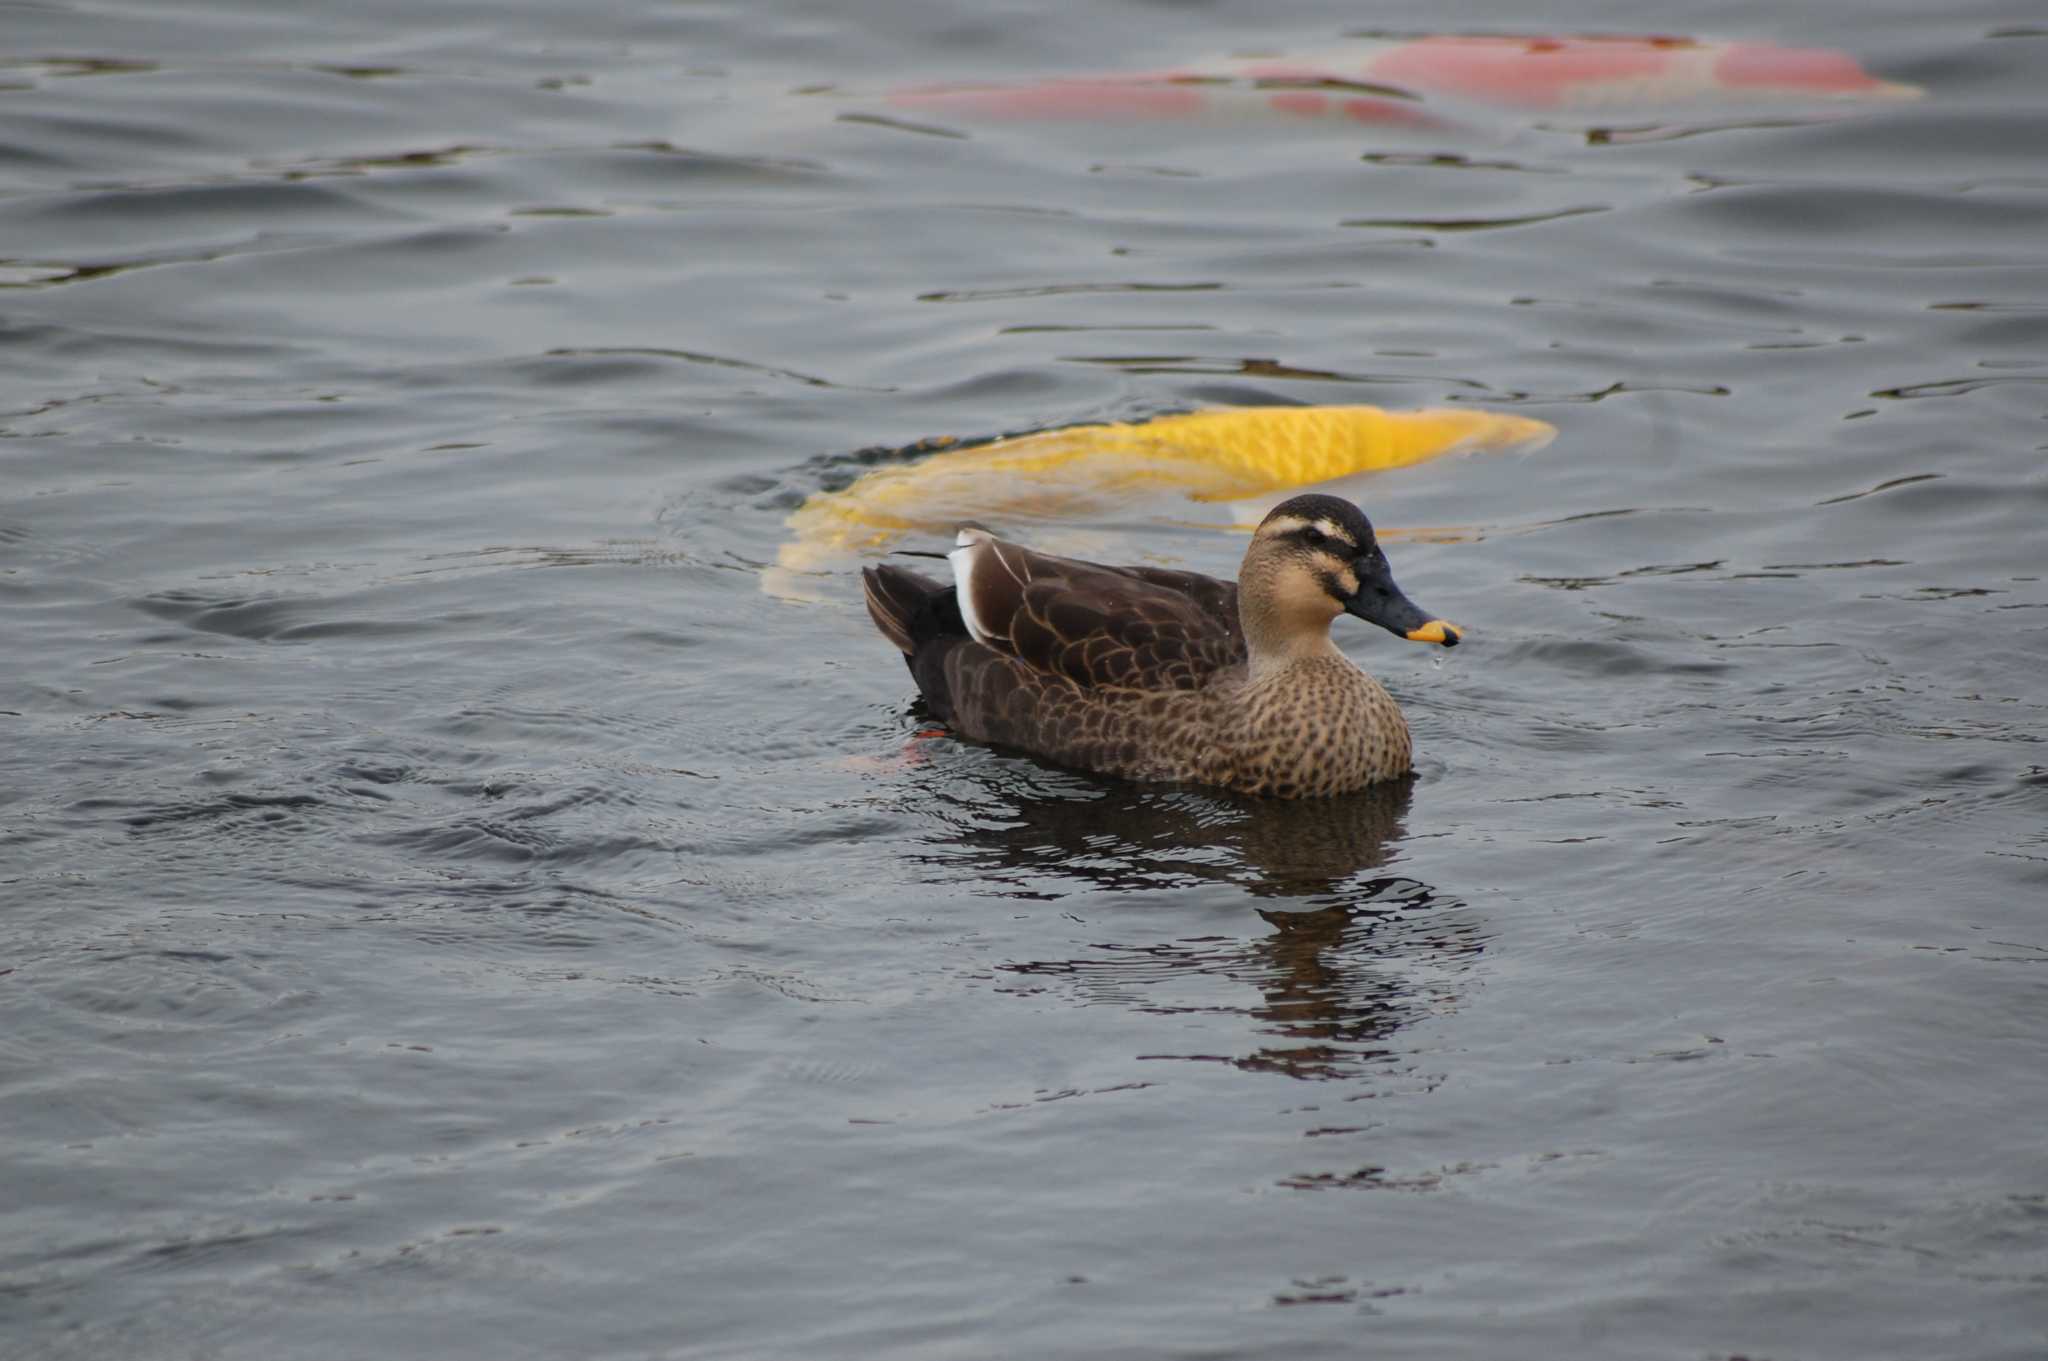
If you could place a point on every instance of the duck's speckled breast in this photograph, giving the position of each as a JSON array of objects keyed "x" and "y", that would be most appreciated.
[{"x": 1319, "y": 727}]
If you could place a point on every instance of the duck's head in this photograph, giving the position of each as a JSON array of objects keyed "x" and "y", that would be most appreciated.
[{"x": 1314, "y": 557}]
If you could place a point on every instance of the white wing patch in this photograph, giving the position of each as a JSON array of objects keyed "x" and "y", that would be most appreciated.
[{"x": 977, "y": 553}]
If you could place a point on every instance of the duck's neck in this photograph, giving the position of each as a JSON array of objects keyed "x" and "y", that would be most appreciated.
[
  {"x": 1285, "y": 615},
  {"x": 1274, "y": 651}
]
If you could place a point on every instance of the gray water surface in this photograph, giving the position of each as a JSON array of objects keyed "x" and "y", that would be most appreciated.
[{"x": 450, "y": 911}]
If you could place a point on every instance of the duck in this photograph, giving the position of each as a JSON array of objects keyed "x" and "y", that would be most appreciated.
[{"x": 1152, "y": 674}]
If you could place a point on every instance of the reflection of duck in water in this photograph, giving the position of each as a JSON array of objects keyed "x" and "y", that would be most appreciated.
[
  {"x": 1335, "y": 982},
  {"x": 1339, "y": 1014},
  {"x": 1131, "y": 837},
  {"x": 1162, "y": 675},
  {"x": 1340, "y": 971}
]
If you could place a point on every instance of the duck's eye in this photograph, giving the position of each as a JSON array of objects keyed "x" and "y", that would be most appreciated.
[{"x": 1313, "y": 537}]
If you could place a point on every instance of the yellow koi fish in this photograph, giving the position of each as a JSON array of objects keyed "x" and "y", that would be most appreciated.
[{"x": 1086, "y": 470}]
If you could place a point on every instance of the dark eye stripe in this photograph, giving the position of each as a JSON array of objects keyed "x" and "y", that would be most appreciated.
[{"x": 1335, "y": 584}]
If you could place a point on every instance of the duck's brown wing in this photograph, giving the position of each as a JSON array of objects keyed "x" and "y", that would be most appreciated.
[{"x": 1136, "y": 627}]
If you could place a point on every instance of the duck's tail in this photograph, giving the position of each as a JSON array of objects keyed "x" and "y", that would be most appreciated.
[{"x": 908, "y": 608}]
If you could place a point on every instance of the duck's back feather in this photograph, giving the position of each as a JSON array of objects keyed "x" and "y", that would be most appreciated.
[
  {"x": 1097, "y": 626},
  {"x": 1059, "y": 656}
]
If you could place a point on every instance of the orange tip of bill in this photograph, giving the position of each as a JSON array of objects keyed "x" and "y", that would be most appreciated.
[{"x": 1436, "y": 631}]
